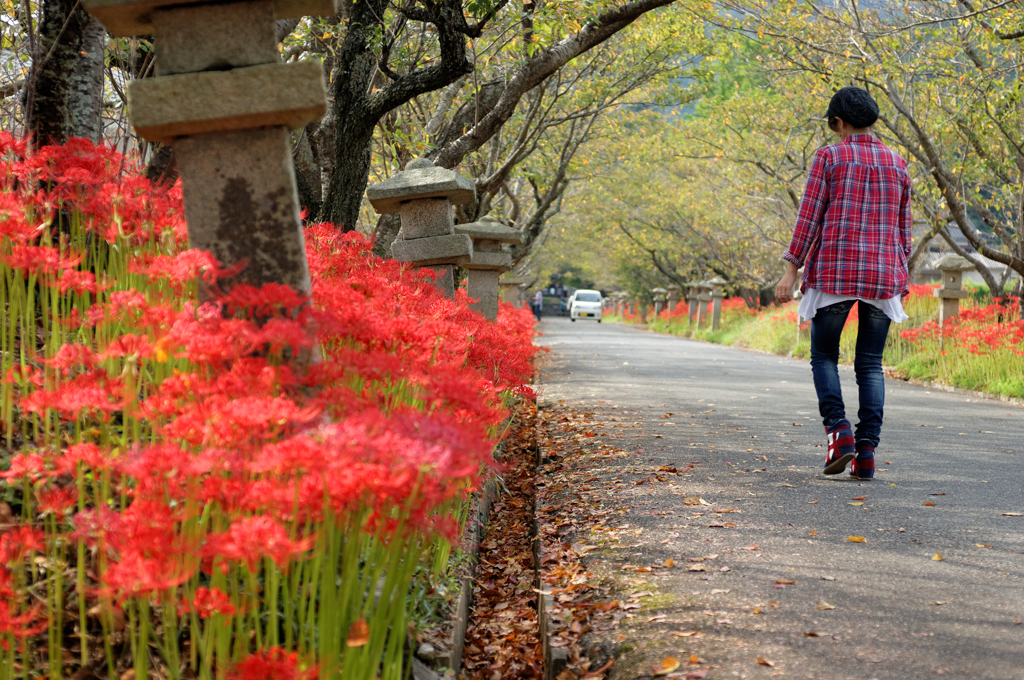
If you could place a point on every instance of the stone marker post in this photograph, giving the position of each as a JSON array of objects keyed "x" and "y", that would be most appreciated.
[
  {"x": 717, "y": 293},
  {"x": 703, "y": 299},
  {"x": 950, "y": 294},
  {"x": 642, "y": 304},
  {"x": 692, "y": 299},
  {"x": 487, "y": 262},
  {"x": 225, "y": 101},
  {"x": 424, "y": 195},
  {"x": 673, "y": 296},
  {"x": 659, "y": 300},
  {"x": 512, "y": 290}
]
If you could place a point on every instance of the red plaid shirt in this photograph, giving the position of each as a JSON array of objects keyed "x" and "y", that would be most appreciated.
[{"x": 852, "y": 231}]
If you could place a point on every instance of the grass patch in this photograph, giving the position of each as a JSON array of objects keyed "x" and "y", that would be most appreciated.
[{"x": 983, "y": 350}]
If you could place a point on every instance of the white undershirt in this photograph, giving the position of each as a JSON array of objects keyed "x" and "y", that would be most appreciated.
[{"x": 814, "y": 299}]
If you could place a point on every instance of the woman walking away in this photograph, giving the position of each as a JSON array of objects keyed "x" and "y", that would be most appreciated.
[{"x": 852, "y": 237}]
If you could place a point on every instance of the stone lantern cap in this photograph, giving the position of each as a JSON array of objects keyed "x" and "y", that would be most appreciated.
[
  {"x": 420, "y": 179},
  {"x": 490, "y": 229},
  {"x": 674, "y": 286},
  {"x": 513, "y": 281},
  {"x": 954, "y": 263},
  {"x": 717, "y": 282},
  {"x": 125, "y": 18}
]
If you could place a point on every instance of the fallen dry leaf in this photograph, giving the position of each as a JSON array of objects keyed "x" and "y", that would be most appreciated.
[
  {"x": 685, "y": 633},
  {"x": 785, "y": 583},
  {"x": 856, "y": 539},
  {"x": 928, "y": 503},
  {"x": 696, "y": 567},
  {"x": 983, "y": 545},
  {"x": 669, "y": 563},
  {"x": 825, "y": 606},
  {"x": 863, "y": 504},
  {"x": 358, "y": 633},
  {"x": 941, "y": 602},
  {"x": 765, "y": 662},
  {"x": 716, "y": 591},
  {"x": 668, "y": 665},
  {"x": 813, "y": 502},
  {"x": 937, "y": 557},
  {"x": 751, "y": 547},
  {"x": 812, "y": 634},
  {"x": 938, "y": 494},
  {"x": 694, "y": 659},
  {"x": 1012, "y": 514},
  {"x": 858, "y": 498},
  {"x": 697, "y": 675},
  {"x": 812, "y": 533}
]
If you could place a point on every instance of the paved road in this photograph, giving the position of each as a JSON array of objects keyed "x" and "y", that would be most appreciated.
[{"x": 898, "y": 612}]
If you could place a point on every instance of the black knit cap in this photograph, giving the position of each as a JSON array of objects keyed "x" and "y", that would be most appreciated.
[{"x": 855, "y": 106}]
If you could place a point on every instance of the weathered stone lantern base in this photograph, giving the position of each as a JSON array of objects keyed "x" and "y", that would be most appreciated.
[{"x": 238, "y": 189}]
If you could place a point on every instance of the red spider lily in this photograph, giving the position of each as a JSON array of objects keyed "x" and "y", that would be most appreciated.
[
  {"x": 40, "y": 260},
  {"x": 205, "y": 461},
  {"x": 79, "y": 282},
  {"x": 56, "y": 500},
  {"x": 250, "y": 539},
  {"x": 273, "y": 664},
  {"x": 207, "y": 602},
  {"x": 184, "y": 267},
  {"x": 91, "y": 391},
  {"x": 17, "y": 543},
  {"x": 28, "y": 465}
]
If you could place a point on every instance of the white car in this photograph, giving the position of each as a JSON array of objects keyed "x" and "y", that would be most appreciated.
[{"x": 585, "y": 304}]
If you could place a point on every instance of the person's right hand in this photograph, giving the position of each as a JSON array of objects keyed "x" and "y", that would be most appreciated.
[{"x": 784, "y": 288}]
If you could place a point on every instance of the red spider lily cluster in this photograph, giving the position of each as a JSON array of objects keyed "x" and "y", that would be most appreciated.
[
  {"x": 980, "y": 330},
  {"x": 238, "y": 481}
]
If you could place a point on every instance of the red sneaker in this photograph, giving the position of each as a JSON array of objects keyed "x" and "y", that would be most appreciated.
[
  {"x": 840, "y": 449},
  {"x": 863, "y": 466}
]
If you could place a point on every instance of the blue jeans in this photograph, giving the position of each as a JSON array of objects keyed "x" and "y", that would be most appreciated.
[{"x": 826, "y": 328}]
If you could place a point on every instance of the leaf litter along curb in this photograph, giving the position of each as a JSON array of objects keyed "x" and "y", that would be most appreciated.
[{"x": 502, "y": 638}]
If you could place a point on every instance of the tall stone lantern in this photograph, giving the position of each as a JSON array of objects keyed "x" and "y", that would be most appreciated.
[
  {"x": 702, "y": 300},
  {"x": 424, "y": 194},
  {"x": 693, "y": 299},
  {"x": 488, "y": 261},
  {"x": 223, "y": 98},
  {"x": 659, "y": 300},
  {"x": 952, "y": 268},
  {"x": 717, "y": 293},
  {"x": 674, "y": 291}
]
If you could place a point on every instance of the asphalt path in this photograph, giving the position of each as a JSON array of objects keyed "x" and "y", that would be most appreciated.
[{"x": 949, "y": 466}]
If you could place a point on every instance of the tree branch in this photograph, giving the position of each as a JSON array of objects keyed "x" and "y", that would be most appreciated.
[{"x": 538, "y": 69}]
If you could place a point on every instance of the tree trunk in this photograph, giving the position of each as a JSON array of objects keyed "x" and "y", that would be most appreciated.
[
  {"x": 356, "y": 109},
  {"x": 85, "y": 103},
  {"x": 61, "y": 33},
  {"x": 355, "y": 66}
]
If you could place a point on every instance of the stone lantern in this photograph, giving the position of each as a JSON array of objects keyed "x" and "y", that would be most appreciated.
[
  {"x": 692, "y": 299},
  {"x": 702, "y": 300},
  {"x": 512, "y": 290},
  {"x": 488, "y": 262},
  {"x": 674, "y": 291},
  {"x": 952, "y": 268},
  {"x": 659, "y": 300},
  {"x": 424, "y": 194},
  {"x": 717, "y": 293},
  {"x": 223, "y": 98}
]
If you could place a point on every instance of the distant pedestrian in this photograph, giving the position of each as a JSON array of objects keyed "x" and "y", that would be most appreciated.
[
  {"x": 852, "y": 237},
  {"x": 538, "y": 303}
]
